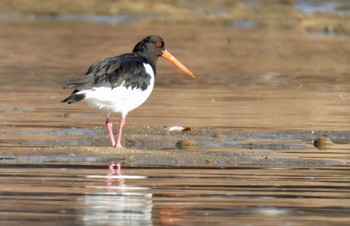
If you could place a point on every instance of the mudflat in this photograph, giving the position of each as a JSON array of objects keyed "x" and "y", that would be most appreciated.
[{"x": 265, "y": 90}]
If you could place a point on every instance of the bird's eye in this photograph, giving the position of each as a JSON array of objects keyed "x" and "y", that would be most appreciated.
[{"x": 159, "y": 44}]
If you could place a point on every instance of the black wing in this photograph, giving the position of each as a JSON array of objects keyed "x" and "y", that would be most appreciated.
[{"x": 124, "y": 70}]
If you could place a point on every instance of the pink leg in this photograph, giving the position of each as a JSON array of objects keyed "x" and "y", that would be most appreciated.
[
  {"x": 109, "y": 126},
  {"x": 115, "y": 168},
  {"x": 121, "y": 126}
]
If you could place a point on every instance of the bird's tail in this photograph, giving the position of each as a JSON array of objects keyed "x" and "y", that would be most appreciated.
[{"x": 75, "y": 97}]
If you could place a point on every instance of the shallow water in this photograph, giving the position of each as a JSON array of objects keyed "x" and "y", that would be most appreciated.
[
  {"x": 263, "y": 82},
  {"x": 340, "y": 7},
  {"x": 221, "y": 9},
  {"x": 270, "y": 91},
  {"x": 93, "y": 195}
]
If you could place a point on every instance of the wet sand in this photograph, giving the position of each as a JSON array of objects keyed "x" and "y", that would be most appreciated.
[
  {"x": 205, "y": 147},
  {"x": 288, "y": 85}
]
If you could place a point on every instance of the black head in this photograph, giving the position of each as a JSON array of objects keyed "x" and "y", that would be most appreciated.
[{"x": 150, "y": 47}]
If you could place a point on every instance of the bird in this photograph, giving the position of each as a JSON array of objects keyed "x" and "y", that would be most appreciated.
[{"x": 119, "y": 84}]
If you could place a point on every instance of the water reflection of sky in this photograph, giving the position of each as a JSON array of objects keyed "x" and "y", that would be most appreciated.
[
  {"x": 243, "y": 24},
  {"x": 306, "y": 6},
  {"x": 321, "y": 6},
  {"x": 90, "y": 18}
]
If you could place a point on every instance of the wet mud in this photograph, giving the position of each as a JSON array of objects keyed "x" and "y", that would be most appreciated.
[
  {"x": 200, "y": 147},
  {"x": 267, "y": 92},
  {"x": 263, "y": 132}
]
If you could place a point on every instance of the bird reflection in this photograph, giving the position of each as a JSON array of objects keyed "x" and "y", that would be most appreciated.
[
  {"x": 120, "y": 204},
  {"x": 115, "y": 169}
]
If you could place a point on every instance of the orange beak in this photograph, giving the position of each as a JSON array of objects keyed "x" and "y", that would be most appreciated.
[{"x": 177, "y": 63}]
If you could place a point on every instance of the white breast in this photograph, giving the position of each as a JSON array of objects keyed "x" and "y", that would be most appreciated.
[{"x": 119, "y": 99}]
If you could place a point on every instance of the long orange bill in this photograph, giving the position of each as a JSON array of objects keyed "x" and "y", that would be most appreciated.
[{"x": 177, "y": 63}]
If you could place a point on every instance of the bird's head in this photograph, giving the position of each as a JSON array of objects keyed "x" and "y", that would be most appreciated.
[{"x": 153, "y": 47}]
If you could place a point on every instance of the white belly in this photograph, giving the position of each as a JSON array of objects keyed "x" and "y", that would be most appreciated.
[{"x": 119, "y": 99}]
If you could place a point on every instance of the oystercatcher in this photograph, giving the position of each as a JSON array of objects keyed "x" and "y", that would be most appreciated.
[{"x": 122, "y": 83}]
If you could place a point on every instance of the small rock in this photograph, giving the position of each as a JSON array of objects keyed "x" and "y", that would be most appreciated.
[
  {"x": 176, "y": 128},
  {"x": 180, "y": 128},
  {"x": 218, "y": 136},
  {"x": 323, "y": 143},
  {"x": 186, "y": 144},
  {"x": 186, "y": 129}
]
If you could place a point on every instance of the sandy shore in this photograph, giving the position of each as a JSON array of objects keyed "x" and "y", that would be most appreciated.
[
  {"x": 155, "y": 147},
  {"x": 280, "y": 77}
]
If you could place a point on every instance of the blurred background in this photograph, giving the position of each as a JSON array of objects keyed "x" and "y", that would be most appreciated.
[
  {"x": 260, "y": 65},
  {"x": 271, "y": 100},
  {"x": 311, "y": 15}
]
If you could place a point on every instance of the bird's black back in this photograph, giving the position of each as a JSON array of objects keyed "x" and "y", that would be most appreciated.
[{"x": 125, "y": 70}]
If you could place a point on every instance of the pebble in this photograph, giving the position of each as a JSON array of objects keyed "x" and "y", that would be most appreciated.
[
  {"x": 323, "y": 143},
  {"x": 186, "y": 144}
]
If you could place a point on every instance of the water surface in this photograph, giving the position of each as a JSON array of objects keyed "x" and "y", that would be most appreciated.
[
  {"x": 93, "y": 195},
  {"x": 256, "y": 92}
]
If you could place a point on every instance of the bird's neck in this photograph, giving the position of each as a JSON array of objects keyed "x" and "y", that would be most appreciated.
[{"x": 149, "y": 60}]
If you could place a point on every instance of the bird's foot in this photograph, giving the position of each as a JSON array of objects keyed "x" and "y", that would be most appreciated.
[
  {"x": 115, "y": 167},
  {"x": 119, "y": 146}
]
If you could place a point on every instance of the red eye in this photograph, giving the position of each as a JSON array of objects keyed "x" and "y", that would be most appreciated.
[{"x": 159, "y": 44}]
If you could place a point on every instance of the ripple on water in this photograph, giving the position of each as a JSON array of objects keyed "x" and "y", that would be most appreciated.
[{"x": 91, "y": 194}]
